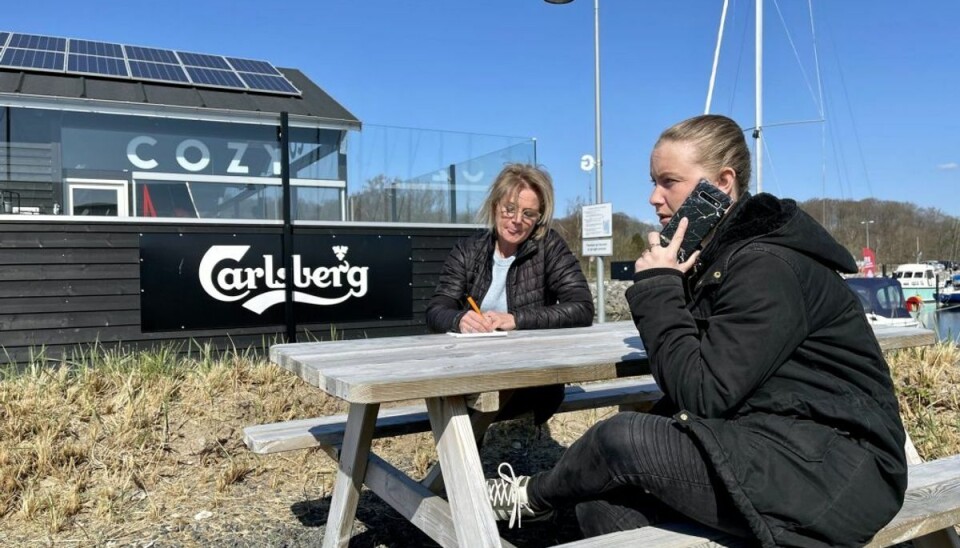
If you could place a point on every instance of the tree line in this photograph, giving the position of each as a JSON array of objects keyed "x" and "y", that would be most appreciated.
[{"x": 901, "y": 232}]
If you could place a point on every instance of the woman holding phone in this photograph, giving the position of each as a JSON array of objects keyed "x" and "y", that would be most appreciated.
[{"x": 779, "y": 421}]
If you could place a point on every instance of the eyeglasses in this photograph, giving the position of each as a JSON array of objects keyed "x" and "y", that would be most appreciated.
[{"x": 509, "y": 211}]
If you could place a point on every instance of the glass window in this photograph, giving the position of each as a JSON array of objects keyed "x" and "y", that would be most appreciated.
[
  {"x": 203, "y": 200},
  {"x": 94, "y": 198},
  {"x": 316, "y": 203}
]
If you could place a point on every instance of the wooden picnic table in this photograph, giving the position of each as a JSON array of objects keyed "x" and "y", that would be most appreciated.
[{"x": 444, "y": 370}]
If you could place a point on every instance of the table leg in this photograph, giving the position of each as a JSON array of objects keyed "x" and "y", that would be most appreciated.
[
  {"x": 351, "y": 471},
  {"x": 473, "y": 518},
  {"x": 481, "y": 418}
]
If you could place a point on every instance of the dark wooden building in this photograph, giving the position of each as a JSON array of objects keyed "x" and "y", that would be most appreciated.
[{"x": 154, "y": 195}]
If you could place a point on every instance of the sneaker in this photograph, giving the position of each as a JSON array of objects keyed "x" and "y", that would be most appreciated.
[{"x": 508, "y": 497}]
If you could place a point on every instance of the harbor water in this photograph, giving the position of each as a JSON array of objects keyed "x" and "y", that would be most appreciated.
[{"x": 944, "y": 320}]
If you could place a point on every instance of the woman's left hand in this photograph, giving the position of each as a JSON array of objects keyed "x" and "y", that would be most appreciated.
[
  {"x": 502, "y": 321},
  {"x": 659, "y": 256}
]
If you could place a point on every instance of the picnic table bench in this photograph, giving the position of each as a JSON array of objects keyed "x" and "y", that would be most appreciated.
[{"x": 443, "y": 371}]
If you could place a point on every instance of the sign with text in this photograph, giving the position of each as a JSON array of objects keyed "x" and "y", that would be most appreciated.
[
  {"x": 206, "y": 281},
  {"x": 597, "y": 220},
  {"x": 598, "y": 248}
]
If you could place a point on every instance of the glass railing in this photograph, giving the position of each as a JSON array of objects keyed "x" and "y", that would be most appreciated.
[{"x": 423, "y": 176}]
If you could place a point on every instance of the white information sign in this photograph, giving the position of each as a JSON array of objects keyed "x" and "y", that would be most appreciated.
[
  {"x": 598, "y": 248},
  {"x": 597, "y": 220}
]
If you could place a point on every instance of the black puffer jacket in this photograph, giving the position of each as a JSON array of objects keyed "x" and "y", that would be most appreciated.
[
  {"x": 769, "y": 362},
  {"x": 545, "y": 286}
]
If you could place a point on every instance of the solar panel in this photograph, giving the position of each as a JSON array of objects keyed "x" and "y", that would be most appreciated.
[
  {"x": 33, "y": 41},
  {"x": 268, "y": 83},
  {"x": 249, "y": 65},
  {"x": 94, "y": 64},
  {"x": 32, "y": 59},
  {"x": 103, "y": 49},
  {"x": 162, "y": 72},
  {"x": 202, "y": 60},
  {"x": 89, "y": 57},
  {"x": 152, "y": 54},
  {"x": 212, "y": 77}
]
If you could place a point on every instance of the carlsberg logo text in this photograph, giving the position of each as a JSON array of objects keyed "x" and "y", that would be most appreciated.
[{"x": 223, "y": 280}]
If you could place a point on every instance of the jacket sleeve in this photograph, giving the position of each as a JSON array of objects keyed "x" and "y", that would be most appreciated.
[
  {"x": 563, "y": 278},
  {"x": 448, "y": 303},
  {"x": 709, "y": 366}
]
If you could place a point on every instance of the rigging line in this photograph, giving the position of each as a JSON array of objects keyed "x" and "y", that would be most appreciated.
[
  {"x": 736, "y": 75},
  {"x": 853, "y": 122},
  {"x": 796, "y": 54},
  {"x": 823, "y": 110},
  {"x": 840, "y": 163},
  {"x": 790, "y": 123},
  {"x": 773, "y": 171}
]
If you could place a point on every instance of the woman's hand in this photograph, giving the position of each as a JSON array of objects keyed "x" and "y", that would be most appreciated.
[
  {"x": 666, "y": 257},
  {"x": 503, "y": 321},
  {"x": 471, "y": 322}
]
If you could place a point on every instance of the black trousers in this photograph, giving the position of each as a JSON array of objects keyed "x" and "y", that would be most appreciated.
[{"x": 632, "y": 470}]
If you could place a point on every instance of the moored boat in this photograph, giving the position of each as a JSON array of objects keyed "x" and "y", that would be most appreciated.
[
  {"x": 883, "y": 302},
  {"x": 918, "y": 280}
]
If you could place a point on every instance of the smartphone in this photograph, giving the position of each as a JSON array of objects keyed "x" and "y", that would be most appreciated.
[{"x": 704, "y": 208}]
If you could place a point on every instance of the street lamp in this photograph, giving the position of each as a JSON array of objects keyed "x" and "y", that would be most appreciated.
[
  {"x": 866, "y": 225},
  {"x": 601, "y": 309}
]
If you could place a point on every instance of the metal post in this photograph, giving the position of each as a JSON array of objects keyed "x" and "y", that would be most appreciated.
[
  {"x": 758, "y": 74},
  {"x": 287, "y": 238},
  {"x": 601, "y": 308},
  {"x": 452, "y": 178}
]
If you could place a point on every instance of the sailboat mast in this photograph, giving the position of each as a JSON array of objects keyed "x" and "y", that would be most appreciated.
[
  {"x": 758, "y": 68},
  {"x": 716, "y": 57}
]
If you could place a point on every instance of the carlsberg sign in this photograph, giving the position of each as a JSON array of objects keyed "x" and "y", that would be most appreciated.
[
  {"x": 209, "y": 281},
  {"x": 261, "y": 287}
]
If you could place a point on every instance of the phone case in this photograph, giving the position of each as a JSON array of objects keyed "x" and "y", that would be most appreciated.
[{"x": 704, "y": 208}]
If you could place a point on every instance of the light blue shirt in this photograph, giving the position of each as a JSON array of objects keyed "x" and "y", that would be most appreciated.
[{"x": 496, "y": 298}]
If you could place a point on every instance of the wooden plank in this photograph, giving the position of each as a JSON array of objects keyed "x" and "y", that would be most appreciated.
[
  {"x": 69, "y": 272},
  {"x": 40, "y": 305},
  {"x": 69, "y": 239},
  {"x": 350, "y": 475},
  {"x": 69, "y": 288},
  {"x": 462, "y": 472},
  {"x": 426, "y": 510},
  {"x": 436, "y": 365},
  {"x": 932, "y": 503},
  {"x": 320, "y": 431},
  {"x": 674, "y": 535},
  {"x": 904, "y": 338},
  {"x": 65, "y": 320},
  {"x": 305, "y": 433},
  {"x": 69, "y": 256}
]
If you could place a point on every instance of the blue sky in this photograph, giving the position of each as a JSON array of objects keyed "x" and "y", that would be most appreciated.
[{"x": 889, "y": 73}]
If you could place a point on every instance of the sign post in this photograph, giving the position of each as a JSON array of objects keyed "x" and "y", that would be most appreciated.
[{"x": 597, "y": 222}]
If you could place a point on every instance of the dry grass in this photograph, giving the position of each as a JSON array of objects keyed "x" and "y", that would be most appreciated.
[{"x": 123, "y": 448}]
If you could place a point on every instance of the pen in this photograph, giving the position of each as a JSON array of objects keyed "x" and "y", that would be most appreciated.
[{"x": 473, "y": 305}]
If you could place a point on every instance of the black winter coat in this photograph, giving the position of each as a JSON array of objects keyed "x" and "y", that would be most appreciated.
[
  {"x": 769, "y": 362},
  {"x": 545, "y": 286}
]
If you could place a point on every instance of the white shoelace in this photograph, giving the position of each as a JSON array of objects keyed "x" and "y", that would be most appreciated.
[{"x": 510, "y": 494}]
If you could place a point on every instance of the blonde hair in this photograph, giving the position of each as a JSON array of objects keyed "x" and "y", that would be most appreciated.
[
  {"x": 719, "y": 143},
  {"x": 511, "y": 180}
]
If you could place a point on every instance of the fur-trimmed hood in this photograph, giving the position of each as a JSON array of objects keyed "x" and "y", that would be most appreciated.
[{"x": 768, "y": 219}]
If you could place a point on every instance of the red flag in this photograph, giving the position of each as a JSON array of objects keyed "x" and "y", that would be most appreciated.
[
  {"x": 148, "y": 209},
  {"x": 869, "y": 268}
]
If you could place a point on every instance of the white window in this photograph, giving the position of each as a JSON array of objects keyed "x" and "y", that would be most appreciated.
[{"x": 93, "y": 197}]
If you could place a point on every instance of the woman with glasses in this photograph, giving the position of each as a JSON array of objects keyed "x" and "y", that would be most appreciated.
[{"x": 519, "y": 271}]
